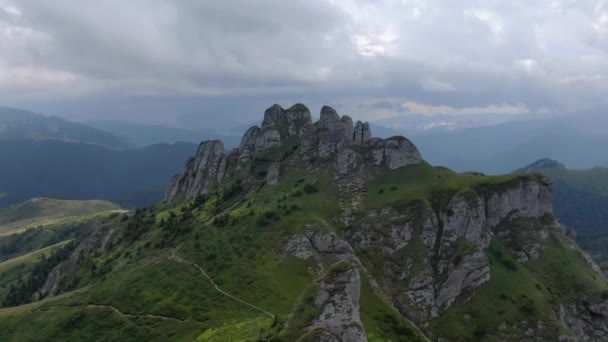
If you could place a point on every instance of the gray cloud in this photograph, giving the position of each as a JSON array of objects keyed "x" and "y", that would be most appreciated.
[{"x": 185, "y": 61}]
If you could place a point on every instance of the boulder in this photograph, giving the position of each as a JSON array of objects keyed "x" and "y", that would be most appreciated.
[{"x": 272, "y": 176}]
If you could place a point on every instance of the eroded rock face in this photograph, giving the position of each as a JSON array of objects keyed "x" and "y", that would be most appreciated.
[
  {"x": 338, "y": 301},
  {"x": 203, "y": 171},
  {"x": 272, "y": 176},
  {"x": 362, "y": 133},
  {"x": 525, "y": 199},
  {"x": 586, "y": 320},
  {"x": 97, "y": 240},
  {"x": 288, "y": 137},
  {"x": 400, "y": 152},
  {"x": 429, "y": 258}
]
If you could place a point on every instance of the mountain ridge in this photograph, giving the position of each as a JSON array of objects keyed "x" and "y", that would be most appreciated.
[
  {"x": 339, "y": 236},
  {"x": 19, "y": 124}
]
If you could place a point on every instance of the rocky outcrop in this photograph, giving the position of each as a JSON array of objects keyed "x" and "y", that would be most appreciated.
[
  {"x": 362, "y": 133},
  {"x": 429, "y": 257},
  {"x": 530, "y": 197},
  {"x": 587, "y": 321},
  {"x": 400, "y": 152},
  {"x": 205, "y": 170},
  {"x": 272, "y": 176},
  {"x": 96, "y": 241},
  {"x": 288, "y": 138},
  {"x": 338, "y": 303}
]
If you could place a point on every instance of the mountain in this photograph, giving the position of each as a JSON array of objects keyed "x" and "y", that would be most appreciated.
[
  {"x": 34, "y": 230},
  {"x": 39, "y": 211},
  {"x": 142, "y": 135},
  {"x": 319, "y": 232},
  {"x": 58, "y": 169},
  {"x": 581, "y": 202},
  {"x": 501, "y": 148},
  {"x": 17, "y": 124}
]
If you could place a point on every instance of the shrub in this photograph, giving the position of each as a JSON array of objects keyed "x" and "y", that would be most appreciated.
[
  {"x": 221, "y": 221},
  {"x": 267, "y": 217},
  {"x": 510, "y": 265},
  {"x": 311, "y": 188},
  {"x": 527, "y": 308}
]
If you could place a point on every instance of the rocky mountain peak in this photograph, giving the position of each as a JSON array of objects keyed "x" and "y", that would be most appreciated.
[
  {"x": 289, "y": 139},
  {"x": 328, "y": 116}
]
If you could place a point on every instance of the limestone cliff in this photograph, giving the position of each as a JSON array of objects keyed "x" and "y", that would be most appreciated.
[{"x": 288, "y": 138}]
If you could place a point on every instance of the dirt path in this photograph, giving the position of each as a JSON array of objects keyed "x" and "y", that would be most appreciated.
[
  {"x": 180, "y": 260},
  {"x": 120, "y": 313}
]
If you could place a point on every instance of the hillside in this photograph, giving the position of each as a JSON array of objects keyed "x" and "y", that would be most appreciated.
[
  {"x": 34, "y": 230},
  {"x": 17, "y": 124},
  {"x": 57, "y": 169},
  {"x": 581, "y": 202},
  {"x": 319, "y": 232},
  {"x": 39, "y": 211}
]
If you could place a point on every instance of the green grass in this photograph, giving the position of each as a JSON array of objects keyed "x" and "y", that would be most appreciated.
[
  {"x": 245, "y": 331},
  {"x": 382, "y": 322},
  {"x": 46, "y": 211},
  {"x": 29, "y": 258},
  {"x": 422, "y": 181},
  {"x": 512, "y": 296},
  {"x": 566, "y": 272},
  {"x": 304, "y": 313},
  {"x": 12, "y": 270},
  {"x": 244, "y": 254}
]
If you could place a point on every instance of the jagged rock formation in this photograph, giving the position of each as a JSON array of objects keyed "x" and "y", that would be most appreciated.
[
  {"x": 338, "y": 302},
  {"x": 419, "y": 253},
  {"x": 288, "y": 138}
]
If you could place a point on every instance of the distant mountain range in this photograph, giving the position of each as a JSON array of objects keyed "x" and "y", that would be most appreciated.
[
  {"x": 141, "y": 135},
  {"x": 46, "y": 156},
  {"x": 17, "y": 124},
  {"x": 581, "y": 201},
  {"x": 576, "y": 140},
  {"x": 59, "y": 169}
]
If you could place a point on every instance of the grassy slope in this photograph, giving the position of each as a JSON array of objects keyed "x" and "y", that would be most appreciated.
[
  {"x": 41, "y": 209},
  {"x": 258, "y": 274},
  {"x": 29, "y": 258},
  {"x": 520, "y": 293},
  {"x": 244, "y": 257},
  {"x": 27, "y": 238},
  {"x": 14, "y": 269},
  {"x": 400, "y": 187},
  {"x": 45, "y": 212}
]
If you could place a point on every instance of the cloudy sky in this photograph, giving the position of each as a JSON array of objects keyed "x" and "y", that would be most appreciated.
[{"x": 190, "y": 61}]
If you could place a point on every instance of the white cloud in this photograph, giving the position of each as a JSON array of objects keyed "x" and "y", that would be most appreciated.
[
  {"x": 528, "y": 65},
  {"x": 451, "y": 55},
  {"x": 434, "y": 85},
  {"x": 426, "y": 109},
  {"x": 492, "y": 20}
]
